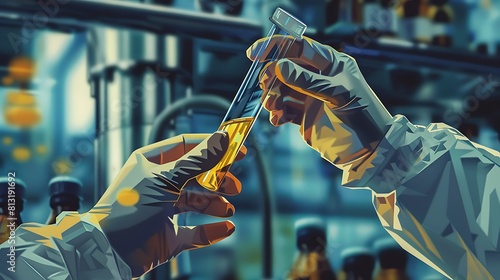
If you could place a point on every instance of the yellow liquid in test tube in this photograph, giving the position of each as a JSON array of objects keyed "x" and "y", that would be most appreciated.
[{"x": 237, "y": 131}]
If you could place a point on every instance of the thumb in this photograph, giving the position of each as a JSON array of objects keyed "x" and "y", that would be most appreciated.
[
  {"x": 308, "y": 82},
  {"x": 201, "y": 158}
]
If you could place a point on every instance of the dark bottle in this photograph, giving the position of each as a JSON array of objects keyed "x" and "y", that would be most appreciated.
[
  {"x": 441, "y": 17},
  {"x": 409, "y": 12},
  {"x": 64, "y": 196},
  {"x": 11, "y": 204},
  {"x": 332, "y": 8},
  {"x": 312, "y": 262},
  {"x": 357, "y": 264},
  {"x": 392, "y": 259}
]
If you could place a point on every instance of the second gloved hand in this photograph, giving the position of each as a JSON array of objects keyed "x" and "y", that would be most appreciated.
[
  {"x": 137, "y": 212},
  {"x": 324, "y": 92}
]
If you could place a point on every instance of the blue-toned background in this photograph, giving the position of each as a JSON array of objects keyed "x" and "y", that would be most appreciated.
[{"x": 103, "y": 74}]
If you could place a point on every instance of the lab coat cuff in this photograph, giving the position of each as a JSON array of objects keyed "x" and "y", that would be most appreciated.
[{"x": 390, "y": 163}]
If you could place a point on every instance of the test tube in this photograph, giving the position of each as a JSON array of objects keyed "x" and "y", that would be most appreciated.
[{"x": 247, "y": 105}]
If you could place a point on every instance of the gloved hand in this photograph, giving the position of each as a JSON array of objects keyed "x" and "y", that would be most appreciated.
[
  {"x": 137, "y": 212},
  {"x": 324, "y": 92}
]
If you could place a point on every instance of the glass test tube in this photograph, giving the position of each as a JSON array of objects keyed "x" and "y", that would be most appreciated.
[{"x": 247, "y": 105}]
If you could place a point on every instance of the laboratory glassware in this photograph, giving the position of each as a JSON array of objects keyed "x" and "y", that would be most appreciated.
[
  {"x": 247, "y": 105},
  {"x": 312, "y": 261},
  {"x": 64, "y": 196}
]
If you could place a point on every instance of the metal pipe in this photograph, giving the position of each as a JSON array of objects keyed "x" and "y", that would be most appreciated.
[
  {"x": 161, "y": 122},
  {"x": 424, "y": 56},
  {"x": 214, "y": 102},
  {"x": 81, "y": 14}
]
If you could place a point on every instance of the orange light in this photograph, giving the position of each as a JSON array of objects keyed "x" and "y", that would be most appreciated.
[
  {"x": 21, "y": 69},
  {"x": 62, "y": 167},
  {"x": 21, "y": 154},
  {"x": 20, "y": 98},
  {"x": 7, "y": 80},
  {"x": 41, "y": 149},
  {"x": 127, "y": 197},
  {"x": 22, "y": 116},
  {"x": 7, "y": 141}
]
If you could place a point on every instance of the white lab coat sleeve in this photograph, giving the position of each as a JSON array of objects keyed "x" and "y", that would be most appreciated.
[
  {"x": 438, "y": 194},
  {"x": 74, "y": 248}
]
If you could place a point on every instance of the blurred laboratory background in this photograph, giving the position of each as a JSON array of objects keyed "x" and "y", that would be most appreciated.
[{"x": 84, "y": 83}]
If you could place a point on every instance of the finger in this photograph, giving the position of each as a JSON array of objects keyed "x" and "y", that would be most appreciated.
[
  {"x": 307, "y": 50},
  {"x": 201, "y": 158},
  {"x": 174, "y": 148},
  {"x": 192, "y": 140},
  {"x": 269, "y": 49},
  {"x": 204, "y": 235},
  {"x": 230, "y": 185},
  {"x": 283, "y": 103},
  {"x": 286, "y": 115},
  {"x": 204, "y": 203},
  {"x": 284, "y": 108},
  {"x": 242, "y": 153},
  {"x": 329, "y": 89}
]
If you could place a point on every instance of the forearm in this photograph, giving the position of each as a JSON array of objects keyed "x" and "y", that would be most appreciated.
[
  {"x": 73, "y": 248},
  {"x": 435, "y": 192}
]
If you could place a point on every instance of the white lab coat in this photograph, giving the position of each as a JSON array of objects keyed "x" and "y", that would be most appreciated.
[
  {"x": 73, "y": 249},
  {"x": 438, "y": 195}
]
